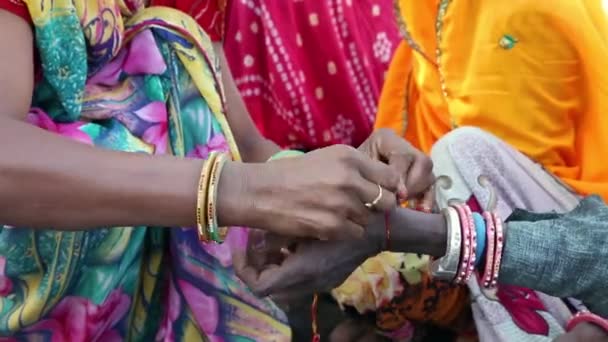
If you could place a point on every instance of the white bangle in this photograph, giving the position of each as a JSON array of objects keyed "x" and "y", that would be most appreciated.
[{"x": 446, "y": 267}]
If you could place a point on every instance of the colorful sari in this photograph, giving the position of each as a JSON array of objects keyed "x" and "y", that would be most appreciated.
[{"x": 120, "y": 76}]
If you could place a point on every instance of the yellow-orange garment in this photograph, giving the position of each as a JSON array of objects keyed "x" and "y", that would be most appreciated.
[{"x": 547, "y": 96}]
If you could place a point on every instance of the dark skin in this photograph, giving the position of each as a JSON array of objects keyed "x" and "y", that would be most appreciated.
[
  {"x": 320, "y": 266},
  {"x": 53, "y": 175}
]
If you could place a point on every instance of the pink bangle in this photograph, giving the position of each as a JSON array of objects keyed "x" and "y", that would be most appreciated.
[
  {"x": 467, "y": 245},
  {"x": 499, "y": 246},
  {"x": 471, "y": 268},
  {"x": 486, "y": 276},
  {"x": 586, "y": 316},
  {"x": 464, "y": 252}
]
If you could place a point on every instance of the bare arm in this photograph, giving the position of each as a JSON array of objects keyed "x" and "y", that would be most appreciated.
[
  {"x": 50, "y": 181},
  {"x": 254, "y": 147}
]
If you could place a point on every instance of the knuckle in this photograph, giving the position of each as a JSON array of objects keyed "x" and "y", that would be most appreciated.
[
  {"x": 337, "y": 204},
  {"x": 335, "y": 223},
  {"x": 346, "y": 154},
  {"x": 347, "y": 179},
  {"x": 408, "y": 157},
  {"x": 392, "y": 178},
  {"x": 428, "y": 164}
]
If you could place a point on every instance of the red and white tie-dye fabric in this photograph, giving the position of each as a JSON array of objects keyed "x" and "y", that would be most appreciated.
[{"x": 311, "y": 71}]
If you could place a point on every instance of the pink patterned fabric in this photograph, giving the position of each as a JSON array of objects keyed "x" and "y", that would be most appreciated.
[{"x": 310, "y": 71}]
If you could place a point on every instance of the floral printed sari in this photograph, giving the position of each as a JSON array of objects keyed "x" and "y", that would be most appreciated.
[{"x": 120, "y": 76}]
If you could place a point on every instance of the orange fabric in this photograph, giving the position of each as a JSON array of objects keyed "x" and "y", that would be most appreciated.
[
  {"x": 429, "y": 301},
  {"x": 398, "y": 288},
  {"x": 547, "y": 96}
]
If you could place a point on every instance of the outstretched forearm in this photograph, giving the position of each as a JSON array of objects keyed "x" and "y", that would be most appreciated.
[
  {"x": 415, "y": 232},
  {"x": 48, "y": 181}
]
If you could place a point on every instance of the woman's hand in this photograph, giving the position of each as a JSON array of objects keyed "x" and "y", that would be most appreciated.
[
  {"x": 322, "y": 194},
  {"x": 414, "y": 167}
]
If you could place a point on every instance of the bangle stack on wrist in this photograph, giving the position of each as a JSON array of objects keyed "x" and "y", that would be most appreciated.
[
  {"x": 471, "y": 238},
  {"x": 206, "y": 208}
]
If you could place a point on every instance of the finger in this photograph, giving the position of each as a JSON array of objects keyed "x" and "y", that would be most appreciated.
[
  {"x": 376, "y": 172},
  {"x": 420, "y": 176},
  {"x": 356, "y": 210},
  {"x": 271, "y": 242},
  {"x": 259, "y": 252},
  {"x": 428, "y": 200},
  {"x": 249, "y": 275},
  {"x": 346, "y": 230},
  {"x": 380, "y": 198},
  {"x": 402, "y": 163},
  {"x": 275, "y": 280}
]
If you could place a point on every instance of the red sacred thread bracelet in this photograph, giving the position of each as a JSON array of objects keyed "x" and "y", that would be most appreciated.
[{"x": 316, "y": 337}]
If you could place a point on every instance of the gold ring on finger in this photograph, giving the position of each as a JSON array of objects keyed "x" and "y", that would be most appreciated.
[{"x": 372, "y": 204}]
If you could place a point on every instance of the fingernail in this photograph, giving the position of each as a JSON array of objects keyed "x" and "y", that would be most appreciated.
[{"x": 402, "y": 192}]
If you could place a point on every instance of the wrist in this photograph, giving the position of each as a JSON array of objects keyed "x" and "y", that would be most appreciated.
[
  {"x": 233, "y": 198},
  {"x": 375, "y": 233},
  {"x": 436, "y": 236},
  {"x": 417, "y": 232},
  {"x": 246, "y": 195}
]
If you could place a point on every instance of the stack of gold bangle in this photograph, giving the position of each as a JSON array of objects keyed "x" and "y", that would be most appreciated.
[{"x": 206, "y": 216}]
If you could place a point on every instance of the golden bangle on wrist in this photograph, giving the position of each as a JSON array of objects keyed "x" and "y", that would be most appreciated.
[{"x": 206, "y": 207}]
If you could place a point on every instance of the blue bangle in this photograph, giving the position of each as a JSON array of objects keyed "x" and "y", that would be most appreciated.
[{"x": 480, "y": 228}]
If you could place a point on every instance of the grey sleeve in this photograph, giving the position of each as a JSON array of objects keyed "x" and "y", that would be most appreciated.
[{"x": 560, "y": 255}]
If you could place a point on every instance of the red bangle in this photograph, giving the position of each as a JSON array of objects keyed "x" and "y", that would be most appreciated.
[
  {"x": 316, "y": 337},
  {"x": 588, "y": 317}
]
